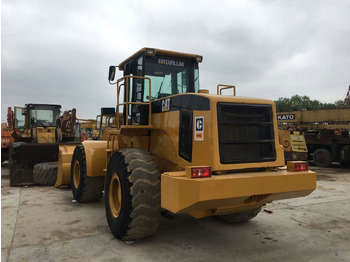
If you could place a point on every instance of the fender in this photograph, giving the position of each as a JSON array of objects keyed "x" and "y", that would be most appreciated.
[
  {"x": 96, "y": 157},
  {"x": 64, "y": 162}
]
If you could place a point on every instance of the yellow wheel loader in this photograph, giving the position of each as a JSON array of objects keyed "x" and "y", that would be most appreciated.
[
  {"x": 100, "y": 128},
  {"x": 178, "y": 148},
  {"x": 37, "y": 130},
  {"x": 103, "y": 121}
]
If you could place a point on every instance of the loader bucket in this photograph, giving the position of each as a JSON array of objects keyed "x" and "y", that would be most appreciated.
[
  {"x": 64, "y": 163},
  {"x": 23, "y": 157}
]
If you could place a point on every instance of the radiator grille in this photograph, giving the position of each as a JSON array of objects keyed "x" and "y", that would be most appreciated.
[{"x": 245, "y": 133}]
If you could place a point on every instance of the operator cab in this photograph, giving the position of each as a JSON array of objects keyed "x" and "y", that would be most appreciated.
[
  {"x": 41, "y": 115},
  {"x": 36, "y": 115},
  {"x": 171, "y": 73}
]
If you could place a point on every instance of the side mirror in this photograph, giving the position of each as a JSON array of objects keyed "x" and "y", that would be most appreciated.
[
  {"x": 110, "y": 121},
  {"x": 98, "y": 122},
  {"x": 24, "y": 111},
  {"x": 111, "y": 74}
]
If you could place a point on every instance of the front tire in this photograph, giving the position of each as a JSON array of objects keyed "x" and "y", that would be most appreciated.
[
  {"x": 85, "y": 189},
  {"x": 132, "y": 194}
]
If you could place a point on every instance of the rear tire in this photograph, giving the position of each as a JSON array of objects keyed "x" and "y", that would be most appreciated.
[
  {"x": 45, "y": 173},
  {"x": 132, "y": 194},
  {"x": 322, "y": 157},
  {"x": 85, "y": 189},
  {"x": 240, "y": 217}
]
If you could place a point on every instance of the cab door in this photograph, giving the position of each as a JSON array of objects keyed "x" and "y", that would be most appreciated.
[
  {"x": 139, "y": 113},
  {"x": 20, "y": 117}
]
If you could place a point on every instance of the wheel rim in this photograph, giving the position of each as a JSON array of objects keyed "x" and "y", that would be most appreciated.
[
  {"x": 76, "y": 174},
  {"x": 115, "y": 196},
  {"x": 321, "y": 158}
]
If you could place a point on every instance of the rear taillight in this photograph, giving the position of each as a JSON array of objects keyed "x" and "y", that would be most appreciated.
[
  {"x": 297, "y": 166},
  {"x": 198, "y": 172}
]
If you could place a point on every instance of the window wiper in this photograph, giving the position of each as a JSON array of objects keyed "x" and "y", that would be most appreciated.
[
  {"x": 40, "y": 122},
  {"x": 160, "y": 88}
]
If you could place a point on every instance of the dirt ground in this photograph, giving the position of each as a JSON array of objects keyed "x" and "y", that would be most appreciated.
[{"x": 43, "y": 224}]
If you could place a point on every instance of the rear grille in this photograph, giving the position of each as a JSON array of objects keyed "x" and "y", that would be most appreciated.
[
  {"x": 185, "y": 134},
  {"x": 245, "y": 133}
]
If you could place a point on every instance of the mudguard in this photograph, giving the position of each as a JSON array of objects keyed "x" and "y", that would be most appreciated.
[
  {"x": 64, "y": 162},
  {"x": 95, "y": 155}
]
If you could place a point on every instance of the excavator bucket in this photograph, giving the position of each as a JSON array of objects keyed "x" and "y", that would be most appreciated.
[
  {"x": 23, "y": 157},
  {"x": 64, "y": 164}
]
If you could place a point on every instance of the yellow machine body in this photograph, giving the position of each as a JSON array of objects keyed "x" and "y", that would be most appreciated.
[
  {"x": 228, "y": 190},
  {"x": 235, "y": 192},
  {"x": 232, "y": 187},
  {"x": 45, "y": 135}
]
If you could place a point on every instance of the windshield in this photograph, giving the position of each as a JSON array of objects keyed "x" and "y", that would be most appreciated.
[
  {"x": 42, "y": 117},
  {"x": 169, "y": 76},
  {"x": 166, "y": 81}
]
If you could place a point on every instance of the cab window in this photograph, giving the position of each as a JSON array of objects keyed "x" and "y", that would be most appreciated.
[{"x": 20, "y": 118}]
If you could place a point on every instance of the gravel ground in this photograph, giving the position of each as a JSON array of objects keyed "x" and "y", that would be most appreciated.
[{"x": 43, "y": 224}]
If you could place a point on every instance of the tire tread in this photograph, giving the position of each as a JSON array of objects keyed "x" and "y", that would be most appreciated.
[
  {"x": 143, "y": 208},
  {"x": 45, "y": 173}
]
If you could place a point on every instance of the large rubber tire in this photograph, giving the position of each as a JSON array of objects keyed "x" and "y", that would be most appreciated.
[
  {"x": 240, "y": 217},
  {"x": 132, "y": 194},
  {"x": 45, "y": 173},
  {"x": 85, "y": 189},
  {"x": 322, "y": 157}
]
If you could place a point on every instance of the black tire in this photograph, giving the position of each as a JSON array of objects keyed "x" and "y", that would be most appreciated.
[
  {"x": 45, "y": 173},
  {"x": 322, "y": 157},
  {"x": 4, "y": 155},
  {"x": 132, "y": 194},
  {"x": 240, "y": 217},
  {"x": 85, "y": 189}
]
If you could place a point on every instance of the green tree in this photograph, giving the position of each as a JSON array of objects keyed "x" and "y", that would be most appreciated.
[{"x": 297, "y": 103}]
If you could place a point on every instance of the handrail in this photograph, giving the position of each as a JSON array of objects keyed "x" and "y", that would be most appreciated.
[
  {"x": 219, "y": 90},
  {"x": 127, "y": 103}
]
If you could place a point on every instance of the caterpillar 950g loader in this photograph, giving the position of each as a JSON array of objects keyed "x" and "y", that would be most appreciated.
[{"x": 183, "y": 150}]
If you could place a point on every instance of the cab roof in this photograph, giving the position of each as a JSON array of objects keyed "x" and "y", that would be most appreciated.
[
  {"x": 156, "y": 52},
  {"x": 43, "y": 105}
]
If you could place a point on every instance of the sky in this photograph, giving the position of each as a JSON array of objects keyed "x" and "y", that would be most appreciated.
[{"x": 58, "y": 52}]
